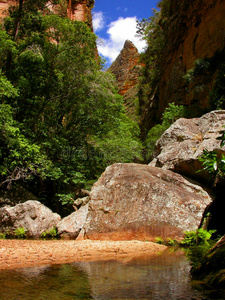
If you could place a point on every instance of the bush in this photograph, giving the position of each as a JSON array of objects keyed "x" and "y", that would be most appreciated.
[
  {"x": 52, "y": 233},
  {"x": 20, "y": 232},
  {"x": 197, "y": 244},
  {"x": 167, "y": 242},
  {"x": 197, "y": 238},
  {"x": 2, "y": 236}
]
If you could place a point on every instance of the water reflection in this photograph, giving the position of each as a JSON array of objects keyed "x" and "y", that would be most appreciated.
[{"x": 160, "y": 277}]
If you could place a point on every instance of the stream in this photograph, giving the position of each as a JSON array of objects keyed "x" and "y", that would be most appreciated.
[{"x": 165, "y": 276}]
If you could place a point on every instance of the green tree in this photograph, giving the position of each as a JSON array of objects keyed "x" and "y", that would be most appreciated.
[{"x": 65, "y": 117}]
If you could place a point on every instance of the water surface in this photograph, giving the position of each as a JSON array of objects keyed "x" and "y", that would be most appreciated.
[{"x": 159, "y": 277}]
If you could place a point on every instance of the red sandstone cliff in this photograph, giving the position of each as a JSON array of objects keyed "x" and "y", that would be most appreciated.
[
  {"x": 126, "y": 69},
  {"x": 4, "y": 5},
  {"x": 79, "y": 10},
  {"x": 194, "y": 29}
]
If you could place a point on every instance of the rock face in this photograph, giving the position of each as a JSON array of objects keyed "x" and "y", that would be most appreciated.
[
  {"x": 127, "y": 68},
  {"x": 4, "y": 5},
  {"x": 71, "y": 226},
  {"x": 133, "y": 201},
  {"x": 195, "y": 29},
  {"x": 79, "y": 10},
  {"x": 180, "y": 146},
  {"x": 32, "y": 215}
]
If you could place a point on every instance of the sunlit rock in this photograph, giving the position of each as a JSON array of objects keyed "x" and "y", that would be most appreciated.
[
  {"x": 134, "y": 201},
  {"x": 180, "y": 146},
  {"x": 33, "y": 216}
]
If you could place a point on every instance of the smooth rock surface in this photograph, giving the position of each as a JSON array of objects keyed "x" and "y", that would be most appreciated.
[
  {"x": 32, "y": 215},
  {"x": 180, "y": 146},
  {"x": 71, "y": 226},
  {"x": 133, "y": 201}
]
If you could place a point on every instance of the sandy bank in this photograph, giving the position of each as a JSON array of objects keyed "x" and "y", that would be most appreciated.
[{"x": 28, "y": 253}]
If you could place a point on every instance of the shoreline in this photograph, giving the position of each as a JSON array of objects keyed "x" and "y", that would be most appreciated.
[{"x": 30, "y": 253}]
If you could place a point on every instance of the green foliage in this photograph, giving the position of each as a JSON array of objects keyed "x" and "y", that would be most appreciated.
[
  {"x": 167, "y": 242},
  {"x": 20, "y": 232},
  {"x": 197, "y": 244},
  {"x": 172, "y": 113},
  {"x": 213, "y": 162},
  {"x": 20, "y": 158},
  {"x": 65, "y": 199},
  {"x": 159, "y": 240},
  {"x": 52, "y": 234},
  {"x": 201, "y": 66},
  {"x": 61, "y": 117},
  {"x": 7, "y": 90},
  {"x": 151, "y": 31},
  {"x": 198, "y": 79},
  {"x": 112, "y": 150},
  {"x": 2, "y": 236},
  {"x": 197, "y": 238},
  {"x": 171, "y": 242}
]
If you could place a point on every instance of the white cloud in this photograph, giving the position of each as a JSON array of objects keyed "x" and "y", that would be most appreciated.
[
  {"x": 119, "y": 31},
  {"x": 98, "y": 21}
]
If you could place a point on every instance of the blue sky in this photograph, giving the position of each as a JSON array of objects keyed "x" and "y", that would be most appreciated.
[{"x": 115, "y": 21}]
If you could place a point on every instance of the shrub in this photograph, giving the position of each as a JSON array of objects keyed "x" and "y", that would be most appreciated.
[
  {"x": 20, "y": 232},
  {"x": 166, "y": 242},
  {"x": 52, "y": 233},
  {"x": 2, "y": 236},
  {"x": 197, "y": 238},
  {"x": 197, "y": 244}
]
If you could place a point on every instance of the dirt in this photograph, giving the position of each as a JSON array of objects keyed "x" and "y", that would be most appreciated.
[{"x": 29, "y": 253}]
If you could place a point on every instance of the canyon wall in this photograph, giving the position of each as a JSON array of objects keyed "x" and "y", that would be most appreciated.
[
  {"x": 193, "y": 30},
  {"x": 79, "y": 10}
]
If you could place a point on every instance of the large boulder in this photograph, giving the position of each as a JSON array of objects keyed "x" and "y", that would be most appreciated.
[
  {"x": 134, "y": 201},
  {"x": 31, "y": 215},
  {"x": 180, "y": 146},
  {"x": 71, "y": 226}
]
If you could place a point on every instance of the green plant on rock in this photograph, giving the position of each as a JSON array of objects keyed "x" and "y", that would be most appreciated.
[
  {"x": 197, "y": 238},
  {"x": 213, "y": 162},
  {"x": 52, "y": 233},
  {"x": 159, "y": 240},
  {"x": 171, "y": 242},
  {"x": 20, "y": 232},
  {"x": 167, "y": 241},
  {"x": 197, "y": 244},
  {"x": 2, "y": 236}
]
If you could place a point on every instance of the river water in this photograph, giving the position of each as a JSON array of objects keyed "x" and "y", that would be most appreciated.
[{"x": 165, "y": 276}]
